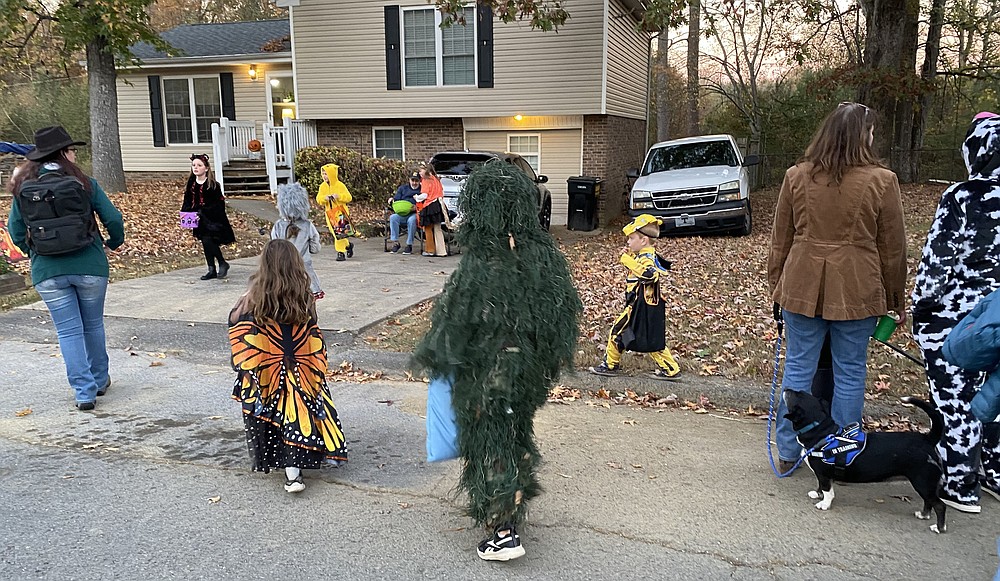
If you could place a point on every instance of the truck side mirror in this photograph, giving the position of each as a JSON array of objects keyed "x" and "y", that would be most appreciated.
[
  {"x": 752, "y": 159},
  {"x": 542, "y": 179},
  {"x": 632, "y": 173}
]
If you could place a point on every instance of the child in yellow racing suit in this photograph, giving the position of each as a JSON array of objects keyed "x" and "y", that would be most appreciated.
[
  {"x": 333, "y": 197},
  {"x": 642, "y": 325}
]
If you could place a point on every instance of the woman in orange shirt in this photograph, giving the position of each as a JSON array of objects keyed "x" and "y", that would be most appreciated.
[{"x": 431, "y": 210}]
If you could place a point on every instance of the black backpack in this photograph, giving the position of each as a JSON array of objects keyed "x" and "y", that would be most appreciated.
[{"x": 56, "y": 210}]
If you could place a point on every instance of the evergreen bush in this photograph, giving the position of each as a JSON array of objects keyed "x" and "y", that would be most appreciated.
[{"x": 371, "y": 179}]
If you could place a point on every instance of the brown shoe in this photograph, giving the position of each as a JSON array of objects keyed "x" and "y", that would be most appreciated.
[{"x": 785, "y": 465}]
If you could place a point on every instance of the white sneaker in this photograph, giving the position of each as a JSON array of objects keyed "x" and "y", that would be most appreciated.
[
  {"x": 295, "y": 485},
  {"x": 501, "y": 547}
]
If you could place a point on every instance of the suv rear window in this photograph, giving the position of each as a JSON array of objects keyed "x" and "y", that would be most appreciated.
[
  {"x": 460, "y": 164},
  {"x": 687, "y": 155}
]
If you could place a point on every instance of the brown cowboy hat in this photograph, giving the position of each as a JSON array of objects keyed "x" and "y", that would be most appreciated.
[{"x": 50, "y": 140}]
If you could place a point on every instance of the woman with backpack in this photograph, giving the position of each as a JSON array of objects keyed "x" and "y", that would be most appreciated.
[
  {"x": 52, "y": 220},
  {"x": 203, "y": 195}
]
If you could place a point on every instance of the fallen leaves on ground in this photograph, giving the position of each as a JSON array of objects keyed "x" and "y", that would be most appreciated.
[
  {"x": 346, "y": 372},
  {"x": 719, "y": 309},
  {"x": 22, "y": 413}
]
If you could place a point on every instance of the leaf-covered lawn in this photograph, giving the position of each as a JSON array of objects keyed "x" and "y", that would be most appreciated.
[{"x": 720, "y": 320}]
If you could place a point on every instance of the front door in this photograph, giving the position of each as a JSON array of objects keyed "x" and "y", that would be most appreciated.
[{"x": 281, "y": 96}]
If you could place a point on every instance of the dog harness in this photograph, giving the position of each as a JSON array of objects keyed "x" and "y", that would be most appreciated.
[{"x": 843, "y": 447}]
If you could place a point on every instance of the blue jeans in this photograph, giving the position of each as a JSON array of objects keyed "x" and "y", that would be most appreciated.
[
  {"x": 849, "y": 347},
  {"x": 76, "y": 303},
  {"x": 411, "y": 227}
]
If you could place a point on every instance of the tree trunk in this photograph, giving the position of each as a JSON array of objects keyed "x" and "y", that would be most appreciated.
[
  {"x": 693, "y": 72},
  {"x": 928, "y": 73},
  {"x": 890, "y": 87},
  {"x": 106, "y": 145},
  {"x": 662, "y": 74}
]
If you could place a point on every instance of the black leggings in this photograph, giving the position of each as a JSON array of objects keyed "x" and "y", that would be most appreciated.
[{"x": 212, "y": 252}]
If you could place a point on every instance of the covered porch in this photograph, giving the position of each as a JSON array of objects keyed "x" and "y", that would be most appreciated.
[{"x": 258, "y": 171}]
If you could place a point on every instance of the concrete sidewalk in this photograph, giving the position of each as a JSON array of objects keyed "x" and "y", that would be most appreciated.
[{"x": 360, "y": 292}]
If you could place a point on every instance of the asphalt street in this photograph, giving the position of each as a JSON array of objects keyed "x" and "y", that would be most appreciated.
[{"x": 154, "y": 484}]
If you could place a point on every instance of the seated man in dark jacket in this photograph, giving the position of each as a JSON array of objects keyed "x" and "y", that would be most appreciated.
[{"x": 403, "y": 204}]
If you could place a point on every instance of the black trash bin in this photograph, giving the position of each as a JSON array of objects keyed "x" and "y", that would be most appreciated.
[{"x": 583, "y": 193}]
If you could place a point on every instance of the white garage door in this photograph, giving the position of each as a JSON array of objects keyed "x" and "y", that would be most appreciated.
[{"x": 555, "y": 153}]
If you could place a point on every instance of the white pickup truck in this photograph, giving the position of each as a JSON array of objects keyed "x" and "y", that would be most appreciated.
[{"x": 695, "y": 185}]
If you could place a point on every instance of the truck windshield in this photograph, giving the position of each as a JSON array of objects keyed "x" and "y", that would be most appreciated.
[
  {"x": 458, "y": 164},
  {"x": 687, "y": 155}
]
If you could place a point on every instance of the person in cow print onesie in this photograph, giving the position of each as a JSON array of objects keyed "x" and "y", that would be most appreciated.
[{"x": 959, "y": 267}]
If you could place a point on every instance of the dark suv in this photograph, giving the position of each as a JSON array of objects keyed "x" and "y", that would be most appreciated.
[{"x": 453, "y": 168}]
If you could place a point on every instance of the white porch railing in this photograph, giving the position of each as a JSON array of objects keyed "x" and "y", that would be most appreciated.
[
  {"x": 241, "y": 133},
  {"x": 281, "y": 144},
  {"x": 230, "y": 139},
  {"x": 220, "y": 152}
]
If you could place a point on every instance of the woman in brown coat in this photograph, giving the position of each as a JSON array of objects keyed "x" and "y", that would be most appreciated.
[{"x": 837, "y": 261}]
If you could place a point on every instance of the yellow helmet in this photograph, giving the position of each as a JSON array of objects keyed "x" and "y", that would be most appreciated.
[{"x": 641, "y": 222}]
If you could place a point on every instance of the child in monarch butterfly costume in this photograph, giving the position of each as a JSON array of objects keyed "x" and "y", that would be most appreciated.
[
  {"x": 334, "y": 197},
  {"x": 641, "y": 326},
  {"x": 502, "y": 330},
  {"x": 279, "y": 356}
]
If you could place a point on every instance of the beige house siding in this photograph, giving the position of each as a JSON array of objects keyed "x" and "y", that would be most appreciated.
[
  {"x": 135, "y": 124},
  {"x": 560, "y": 158},
  {"x": 626, "y": 90},
  {"x": 341, "y": 70}
]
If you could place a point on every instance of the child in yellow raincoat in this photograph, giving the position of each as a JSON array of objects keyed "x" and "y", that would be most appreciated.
[
  {"x": 641, "y": 326},
  {"x": 334, "y": 197}
]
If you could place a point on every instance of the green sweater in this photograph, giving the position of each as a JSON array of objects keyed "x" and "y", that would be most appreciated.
[{"x": 91, "y": 260}]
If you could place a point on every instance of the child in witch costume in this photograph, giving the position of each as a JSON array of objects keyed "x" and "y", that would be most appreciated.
[
  {"x": 333, "y": 197},
  {"x": 503, "y": 328},
  {"x": 641, "y": 326}
]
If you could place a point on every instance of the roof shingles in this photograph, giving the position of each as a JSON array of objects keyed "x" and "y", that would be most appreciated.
[{"x": 219, "y": 40}]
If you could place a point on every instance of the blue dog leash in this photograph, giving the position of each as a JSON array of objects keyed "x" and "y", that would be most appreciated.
[{"x": 774, "y": 386}]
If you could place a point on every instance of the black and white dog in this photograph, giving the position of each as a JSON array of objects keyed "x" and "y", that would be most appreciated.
[{"x": 875, "y": 457}]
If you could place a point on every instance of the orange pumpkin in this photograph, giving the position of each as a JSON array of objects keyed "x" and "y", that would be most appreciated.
[{"x": 254, "y": 145}]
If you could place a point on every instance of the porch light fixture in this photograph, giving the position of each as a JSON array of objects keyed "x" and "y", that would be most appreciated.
[
  {"x": 518, "y": 117},
  {"x": 253, "y": 72}
]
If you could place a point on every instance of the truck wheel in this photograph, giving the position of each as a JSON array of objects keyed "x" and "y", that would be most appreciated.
[
  {"x": 747, "y": 222},
  {"x": 545, "y": 217}
]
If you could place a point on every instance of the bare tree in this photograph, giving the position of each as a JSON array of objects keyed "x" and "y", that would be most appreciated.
[
  {"x": 747, "y": 34},
  {"x": 693, "y": 70},
  {"x": 661, "y": 76}
]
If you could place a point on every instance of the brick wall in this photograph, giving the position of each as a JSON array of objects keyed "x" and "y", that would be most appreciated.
[
  {"x": 612, "y": 145},
  {"x": 422, "y": 138}
]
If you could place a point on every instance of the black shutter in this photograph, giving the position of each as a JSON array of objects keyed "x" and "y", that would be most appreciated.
[
  {"x": 156, "y": 111},
  {"x": 228, "y": 97},
  {"x": 484, "y": 45},
  {"x": 393, "y": 67}
]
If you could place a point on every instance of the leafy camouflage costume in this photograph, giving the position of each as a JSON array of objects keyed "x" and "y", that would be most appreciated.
[{"x": 503, "y": 328}]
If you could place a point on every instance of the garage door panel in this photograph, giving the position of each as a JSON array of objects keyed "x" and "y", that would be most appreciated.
[{"x": 559, "y": 159}]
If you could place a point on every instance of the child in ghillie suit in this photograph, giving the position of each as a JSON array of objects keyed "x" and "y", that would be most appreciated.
[
  {"x": 295, "y": 226},
  {"x": 333, "y": 197},
  {"x": 502, "y": 330},
  {"x": 642, "y": 325}
]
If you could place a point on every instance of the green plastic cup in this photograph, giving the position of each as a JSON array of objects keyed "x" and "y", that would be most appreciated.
[{"x": 885, "y": 327}]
